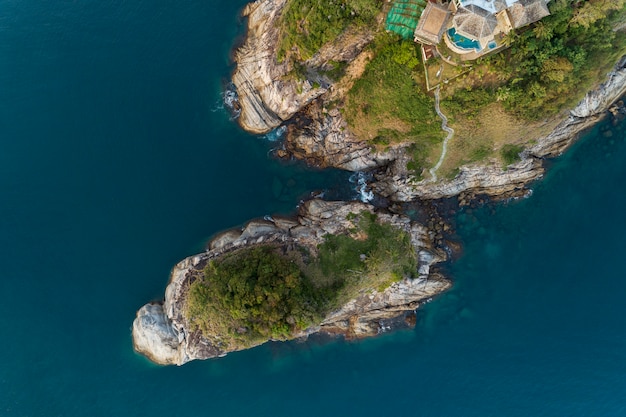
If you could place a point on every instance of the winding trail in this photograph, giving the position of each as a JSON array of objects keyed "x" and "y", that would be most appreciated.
[{"x": 445, "y": 128}]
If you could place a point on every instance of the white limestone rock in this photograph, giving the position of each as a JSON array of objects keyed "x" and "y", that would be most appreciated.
[{"x": 154, "y": 335}]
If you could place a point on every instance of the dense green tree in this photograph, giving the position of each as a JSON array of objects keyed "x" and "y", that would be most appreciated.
[{"x": 543, "y": 31}]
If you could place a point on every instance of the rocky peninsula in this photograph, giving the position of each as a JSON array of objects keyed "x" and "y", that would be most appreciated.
[
  {"x": 318, "y": 133},
  {"x": 303, "y": 95}
]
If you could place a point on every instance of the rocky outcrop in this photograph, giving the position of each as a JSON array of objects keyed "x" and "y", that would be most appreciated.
[
  {"x": 161, "y": 332},
  {"x": 267, "y": 95},
  {"x": 322, "y": 138},
  {"x": 155, "y": 337},
  {"x": 367, "y": 314},
  {"x": 476, "y": 179}
]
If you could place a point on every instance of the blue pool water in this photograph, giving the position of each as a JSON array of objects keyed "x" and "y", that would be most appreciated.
[
  {"x": 115, "y": 163},
  {"x": 461, "y": 41}
]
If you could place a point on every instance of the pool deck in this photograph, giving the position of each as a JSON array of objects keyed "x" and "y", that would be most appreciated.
[
  {"x": 461, "y": 51},
  {"x": 471, "y": 55}
]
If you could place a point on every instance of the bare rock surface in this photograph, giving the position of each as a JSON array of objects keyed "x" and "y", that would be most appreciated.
[
  {"x": 154, "y": 335},
  {"x": 362, "y": 316},
  {"x": 322, "y": 138},
  {"x": 267, "y": 97}
]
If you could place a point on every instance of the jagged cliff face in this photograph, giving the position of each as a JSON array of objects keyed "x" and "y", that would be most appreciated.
[
  {"x": 161, "y": 332},
  {"x": 267, "y": 95},
  {"x": 321, "y": 137}
]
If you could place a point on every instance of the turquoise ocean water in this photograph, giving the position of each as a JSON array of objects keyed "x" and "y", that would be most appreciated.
[{"x": 116, "y": 162}]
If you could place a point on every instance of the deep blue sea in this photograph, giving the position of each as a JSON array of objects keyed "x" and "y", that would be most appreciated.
[{"x": 116, "y": 161}]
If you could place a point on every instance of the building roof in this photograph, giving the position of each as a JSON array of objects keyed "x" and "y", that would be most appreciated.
[
  {"x": 432, "y": 23},
  {"x": 492, "y": 6},
  {"x": 474, "y": 22},
  {"x": 525, "y": 12}
]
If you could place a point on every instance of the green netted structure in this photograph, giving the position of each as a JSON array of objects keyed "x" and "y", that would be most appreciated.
[{"x": 403, "y": 17}]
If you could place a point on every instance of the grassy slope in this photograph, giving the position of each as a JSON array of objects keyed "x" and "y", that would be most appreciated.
[
  {"x": 309, "y": 24},
  {"x": 388, "y": 104}
]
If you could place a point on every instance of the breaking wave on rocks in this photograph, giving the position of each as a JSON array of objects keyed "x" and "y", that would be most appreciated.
[
  {"x": 360, "y": 180},
  {"x": 229, "y": 100},
  {"x": 275, "y": 134}
]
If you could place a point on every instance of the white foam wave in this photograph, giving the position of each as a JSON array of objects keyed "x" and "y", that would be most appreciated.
[
  {"x": 276, "y": 134},
  {"x": 228, "y": 101},
  {"x": 359, "y": 179}
]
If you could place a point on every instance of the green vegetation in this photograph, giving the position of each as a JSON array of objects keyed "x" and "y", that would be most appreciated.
[
  {"x": 252, "y": 294},
  {"x": 309, "y": 24},
  {"x": 336, "y": 70},
  {"x": 265, "y": 291},
  {"x": 373, "y": 257},
  {"x": 468, "y": 101},
  {"x": 548, "y": 67},
  {"x": 548, "y": 64},
  {"x": 388, "y": 105},
  {"x": 510, "y": 154}
]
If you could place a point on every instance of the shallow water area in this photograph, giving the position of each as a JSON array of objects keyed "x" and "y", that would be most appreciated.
[{"x": 113, "y": 167}]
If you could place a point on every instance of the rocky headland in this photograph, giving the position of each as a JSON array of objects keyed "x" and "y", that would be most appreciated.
[{"x": 318, "y": 133}]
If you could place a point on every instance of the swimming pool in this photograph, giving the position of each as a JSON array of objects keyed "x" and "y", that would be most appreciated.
[{"x": 461, "y": 41}]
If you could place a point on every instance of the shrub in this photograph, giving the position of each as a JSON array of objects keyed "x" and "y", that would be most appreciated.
[{"x": 510, "y": 154}]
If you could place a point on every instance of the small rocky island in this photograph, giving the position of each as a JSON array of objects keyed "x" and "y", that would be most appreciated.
[
  {"x": 339, "y": 267},
  {"x": 428, "y": 118}
]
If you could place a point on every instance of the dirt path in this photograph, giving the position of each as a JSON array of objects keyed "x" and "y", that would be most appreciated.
[{"x": 445, "y": 128}]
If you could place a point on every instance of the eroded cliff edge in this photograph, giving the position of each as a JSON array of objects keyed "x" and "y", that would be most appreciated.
[{"x": 162, "y": 332}]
